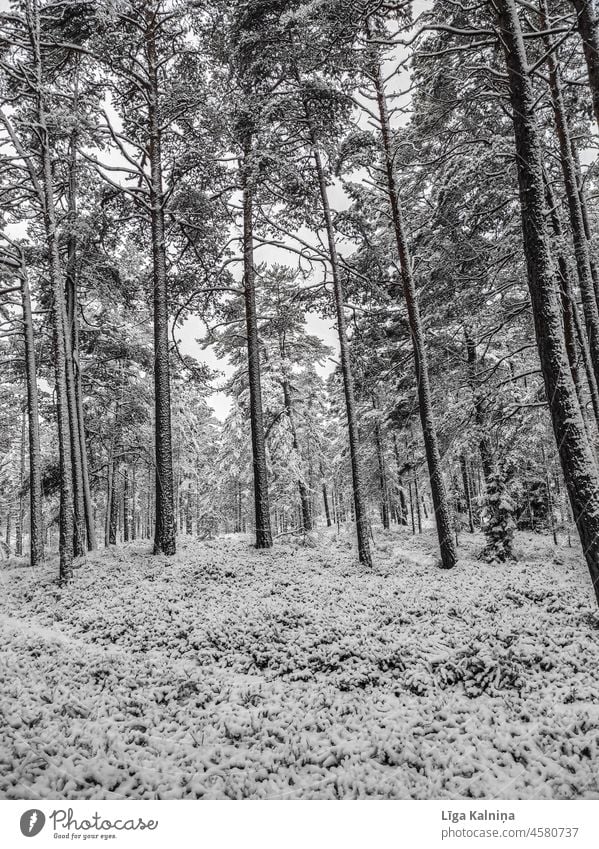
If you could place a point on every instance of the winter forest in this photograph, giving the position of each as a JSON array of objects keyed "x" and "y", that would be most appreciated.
[{"x": 299, "y": 393}]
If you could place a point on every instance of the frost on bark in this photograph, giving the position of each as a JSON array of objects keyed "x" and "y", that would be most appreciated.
[{"x": 578, "y": 465}]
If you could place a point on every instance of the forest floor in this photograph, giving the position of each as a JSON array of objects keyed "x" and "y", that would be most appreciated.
[{"x": 226, "y": 672}]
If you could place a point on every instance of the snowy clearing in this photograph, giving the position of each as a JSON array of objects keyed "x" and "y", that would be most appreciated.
[{"x": 295, "y": 673}]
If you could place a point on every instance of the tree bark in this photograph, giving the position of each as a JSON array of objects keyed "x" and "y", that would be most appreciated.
[{"x": 580, "y": 471}]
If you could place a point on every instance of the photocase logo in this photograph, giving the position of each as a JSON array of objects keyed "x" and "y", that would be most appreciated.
[{"x": 32, "y": 822}]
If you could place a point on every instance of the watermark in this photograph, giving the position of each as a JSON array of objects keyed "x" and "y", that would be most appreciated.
[
  {"x": 66, "y": 826},
  {"x": 32, "y": 822}
]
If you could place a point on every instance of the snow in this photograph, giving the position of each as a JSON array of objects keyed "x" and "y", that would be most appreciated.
[{"x": 227, "y": 672}]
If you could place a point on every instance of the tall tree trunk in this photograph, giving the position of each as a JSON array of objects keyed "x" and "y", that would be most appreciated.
[
  {"x": 21, "y": 511},
  {"x": 467, "y": 492},
  {"x": 134, "y": 531},
  {"x": 303, "y": 489},
  {"x": 261, "y": 500},
  {"x": 113, "y": 520},
  {"x": 77, "y": 414},
  {"x": 589, "y": 33},
  {"x": 480, "y": 407},
  {"x": 325, "y": 500},
  {"x": 7, "y": 536},
  {"x": 61, "y": 348},
  {"x": 403, "y": 507},
  {"x": 80, "y": 534},
  {"x": 439, "y": 495},
  {"x": 569, "y": 310},
  {"x": 126, "y": 516},
  {"x": 359, "y": 501},
  {"x": 581, "y": 245},
  {"x": 578, "y": 465},
  {"x": 385, "y": 508},
  {"x": 35, "y": 458},
  {"x": 164, "y": 534}
]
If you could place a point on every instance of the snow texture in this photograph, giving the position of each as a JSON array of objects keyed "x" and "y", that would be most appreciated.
[{"x": 227, "y": 672}]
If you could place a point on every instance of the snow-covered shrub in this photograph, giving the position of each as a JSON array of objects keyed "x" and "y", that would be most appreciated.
[{"x": 500, "y": 525}]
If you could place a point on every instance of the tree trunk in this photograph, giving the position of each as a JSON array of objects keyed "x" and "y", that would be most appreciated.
[
  {"x": 126, "y": 516},
  {"x": 440, "y": 502},
  {"x": 21, "y": 511},
  {"x": 480, "y": 408},
  {"x": 7, "y": 536},
  {"x": 35, "y": 459},
  {"x": 589, "y": 33},
  {"x": 580, "y": 472},
  {"x": 403, "y": 507},
  {"x": 385, "y": 509},
  {"x": 77, "y": 415},
  {"x": 164, "y": 534},
  {"x": 303, "y": 489},
  {"x": 261, "y": 500},
  {"x": 113, "y": 520},
  {"x": 61, "y": 353},
  {"x": 569, "y": 314},
  {"x": 467, "y": 492},
  {"x": 361, "y": 515},
  {"x": 581, "y": 245}
]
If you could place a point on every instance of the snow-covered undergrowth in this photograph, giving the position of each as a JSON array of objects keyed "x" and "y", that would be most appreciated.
[{"x": 295, "y": 673}]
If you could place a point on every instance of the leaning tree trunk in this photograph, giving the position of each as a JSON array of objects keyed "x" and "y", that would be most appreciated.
[
  {"x": 36, "y": 534},
  {"x": 589, "y": 33},
  {"x": 433, "y": 457},
  {"x": 578, "y": 465},
  {"x": 261, "y": 500},
  {"x": 164, "y": 535}
]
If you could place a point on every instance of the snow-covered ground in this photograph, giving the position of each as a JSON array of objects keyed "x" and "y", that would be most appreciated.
[{"x": 295, "y": 673}]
